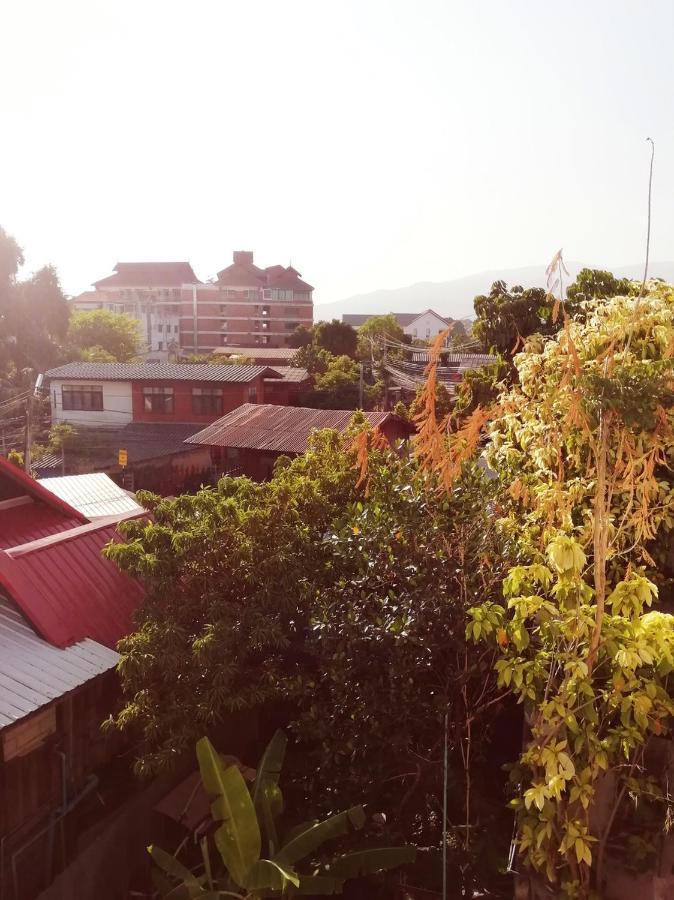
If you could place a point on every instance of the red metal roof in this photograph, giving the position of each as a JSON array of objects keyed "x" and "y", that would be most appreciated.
[
  {"x": 67, "y": 590},
  {"x": 150, "y": 274},
  {"x": 30, "y": 521},
  {"x": 278, "y": 429}
]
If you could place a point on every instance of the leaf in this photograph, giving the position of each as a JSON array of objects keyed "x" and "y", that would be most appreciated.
[
  {"x": 267, "y": 797},
  {"x": 238, "y": 838},
  {"x": 266, "y": 873},
  {"x": 319, "y": 885},
  {"x": 176, "y": 870},
  {"x": 366, "y": 862},
  {"x": 305, "y": 843}
]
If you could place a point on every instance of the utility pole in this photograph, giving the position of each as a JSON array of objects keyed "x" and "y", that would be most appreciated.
[
  {"x": 360, "y": 391},
  {"x": 29, "y": 423}
]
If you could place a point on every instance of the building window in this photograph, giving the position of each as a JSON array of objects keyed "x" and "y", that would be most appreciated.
[
  {"x": 176, "y": 293},
  {"x": 158, "y": 399},
  {"x": 267, "y": 294},
  {"x": 285, "y": 295},
  {"x": 160, "y": 345},
  {"x": 175, "y": 329},
  {"x": 223, "y": 339},
  {"x": 252, "y": 394},
  {"x": 207, "y": 401},
  {"x": 252, "y": 294},
  {"x": 265, "y": 339},
  {"x": 82, "y": 396}
]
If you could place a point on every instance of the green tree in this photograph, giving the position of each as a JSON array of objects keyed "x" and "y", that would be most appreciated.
[
  {"x": 338, "y": 387},
  {"x": 115, "y": 333},
  {"x": 372, "y": 334},
  {"x": 595, "y": 284},
  {"x": 504, "y": 317},
  {"x": 337, "y": 337},
  {"x": 314, "y": 359},
  {"x": 223, "y": 626},
  {"x": 302, "y": 336}
]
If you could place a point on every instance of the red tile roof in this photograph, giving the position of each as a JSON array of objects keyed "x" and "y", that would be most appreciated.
[
  {"x": 244, "y": 273},
  {"x": 67, "y": 590},
  {"x": 278, "y": 429},
  {"x": 149, "y": 274}
]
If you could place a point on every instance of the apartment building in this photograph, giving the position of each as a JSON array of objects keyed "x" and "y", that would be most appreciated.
[
  {"x": 246, "y": 306},
  {"x": 149, "y": 292}
]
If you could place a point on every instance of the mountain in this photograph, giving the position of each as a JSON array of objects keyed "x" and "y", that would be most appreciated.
[{"x": 455, "y": 298}]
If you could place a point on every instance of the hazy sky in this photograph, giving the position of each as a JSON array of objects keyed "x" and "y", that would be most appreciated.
[{"x": 374, "y": 143}]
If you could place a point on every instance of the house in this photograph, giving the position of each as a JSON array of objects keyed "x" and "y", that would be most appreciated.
[
  {"x": 424, "y": 326},
  {"x": 63, "y": 607},
  {"x": 249, "y": 440},
  {"x": 115, "y": 394},
  {"x": 247, "y": 306},
  {"x": 149, "y": 292}
]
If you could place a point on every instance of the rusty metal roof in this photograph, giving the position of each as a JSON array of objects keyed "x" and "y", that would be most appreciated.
[
  {"x": 278, "y": 429},
  {"x": 33, "y": 673}
]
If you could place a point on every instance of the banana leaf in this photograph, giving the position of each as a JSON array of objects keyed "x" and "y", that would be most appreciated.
[
  {"x": 268, "y": 874},
  {"x": 366, "y": 862},
  {"x": 238, "y": 838},
  {"x": 267, "y": 797},
  {"x": 190, "y": 885},
  {"x": 305, "y": 843}
]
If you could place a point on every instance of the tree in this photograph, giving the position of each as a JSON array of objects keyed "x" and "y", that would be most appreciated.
[
  {"x": 223, "y": 626},
  {"x": 372, "y": 333},
  {"x": 595, "y": 284},
  {"x": 582, "y": 446},
  {"x": 443, "y": 402},
  {"x": 338, "y": 387},
  {"x": 337, "y": 337},
  {"x": 302, "y": 336},
  {"x": 506, "y": 316},
  {"x": 314, "y": 359},
  {"x": 101, "y": 330}
]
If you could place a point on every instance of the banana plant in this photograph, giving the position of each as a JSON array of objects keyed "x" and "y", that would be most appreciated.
[{"x": 248, "y": 827}]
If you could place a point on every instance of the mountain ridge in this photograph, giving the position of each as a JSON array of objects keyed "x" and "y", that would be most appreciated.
[{"x": 454, "y": 298}]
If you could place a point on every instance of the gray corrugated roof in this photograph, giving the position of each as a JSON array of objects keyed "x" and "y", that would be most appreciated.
[
  {"x": 279, "y": 429},
  {"x": 288, "y": 373},
  {"x": 156, "y": 372},
  {"x": 33, "y": 673},
  {"x": 94, "y": 494},
  {"x": 257, "y": 352},
  {"x": 403, "y": 319}
]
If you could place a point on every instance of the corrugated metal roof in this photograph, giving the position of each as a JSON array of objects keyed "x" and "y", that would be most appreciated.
[
  {"x": 157, "y": 372},
  {"x": 30, "y": 521},
  {"x": 94, "y": 494},
  {"x": 279, "y": 429},
  {"x": 67, "y": 590},
  {"x": 288, "y": 374},
  {"x": 33, "y": 673}
]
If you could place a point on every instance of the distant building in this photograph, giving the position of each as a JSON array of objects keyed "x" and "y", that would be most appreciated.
[
  {"x": 246, "y": 307},
  {"x": 149, "y": 292},
  {"x": 249, "y": 440},
  {"x": 425, "y": 326}
]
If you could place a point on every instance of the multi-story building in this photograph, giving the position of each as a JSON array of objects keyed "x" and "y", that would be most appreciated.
[
  {"x": 151, "y": 293},
  {"x": 245, "y": 307}
]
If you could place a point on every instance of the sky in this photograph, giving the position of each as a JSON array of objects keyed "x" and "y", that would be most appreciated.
[{"x": 372, "y": 143}]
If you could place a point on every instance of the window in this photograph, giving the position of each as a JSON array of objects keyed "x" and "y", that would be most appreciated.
[
  {"x": 223, "y": 309},
  {"x": 223, "y": 339},
  {"x": 207, "y": 401},
  {"x": 158, "y": 399},
  {"x": 285, "y": 295},
  {"x": 267, "y": 294},
  {"x": 252, "y": 294},
  {"x": 175, "y": 329},
  {"x": 265, "y": 339},
  {"x": 160, "y": 345},
  {"x": 82, "y": 396},
  {"x": 252, "y": 394},
  {"x": 176, "y": 293},
  {"x": 265, "y": 310}
]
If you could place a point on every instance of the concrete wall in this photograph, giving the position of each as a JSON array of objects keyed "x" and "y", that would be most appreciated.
[{"x": 117, "y": 407}]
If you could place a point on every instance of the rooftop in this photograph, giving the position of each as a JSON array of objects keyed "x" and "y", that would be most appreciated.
[
  {"x": 243, "y": 272},
  {"x": 288, "y": 374},
  {"x": 278, "y": 429},
  {"x": 33, "y": 673},
  {"x": 157, "y": 372},
  {"x": 143, "y": 442},
  {"x": 149, "y": 274},
  {"x": 403, "y": 319},
  {"x": 95, "y": 495}
]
